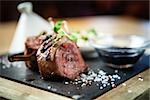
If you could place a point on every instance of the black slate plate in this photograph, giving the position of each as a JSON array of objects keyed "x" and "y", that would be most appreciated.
[{"x": 18, "y": 72}]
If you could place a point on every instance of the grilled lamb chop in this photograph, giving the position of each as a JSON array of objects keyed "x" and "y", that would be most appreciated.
[
  {"x": 31, "y": 46},
  {"x": 61, "y": 58},
  {"x": 53, "y": 54}
]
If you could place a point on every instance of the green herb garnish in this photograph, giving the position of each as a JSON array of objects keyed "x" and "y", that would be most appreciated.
[
  {"x": 58, "y": 29},
  {"x": 74, "y": 36},
  {"x": 57, "y": 26},
  {"x": 85, "y": 38}
]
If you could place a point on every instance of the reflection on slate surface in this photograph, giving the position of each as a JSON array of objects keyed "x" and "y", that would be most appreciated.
[{"x": 18, "y": 72}]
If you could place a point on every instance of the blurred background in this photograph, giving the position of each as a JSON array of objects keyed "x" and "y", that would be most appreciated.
[
  {"x": 69, "y": 8},
  {"x": 121, "y": 17}
]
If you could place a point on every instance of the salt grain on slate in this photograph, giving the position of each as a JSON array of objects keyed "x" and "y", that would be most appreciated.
[
  {"x": 97, "y": 84},
  {"x": 76, "y": 82},
  {"x": 112, "y": 79},
  {"x": 3, "y": 67},
  {"x": 53, "y": 89},
  {"x": 116, "y": 71},
  {"x": 119, "y": 78},
  {"x": 104, "y": 85},
  {"x": 83, "y": 84},
  {"x": 101, "y": 87},
  {"x": 113, "y": 85},
  {"x": 79, "y": 81},
  {"x": 97, "y": 79},
  {"x": 49, "y": 87},
  {"x": 108, "y": 83},
  {"x": 99, "y": 76},
  {"x": 112, "y": 82},
  {"x": 66, "y": 83}
]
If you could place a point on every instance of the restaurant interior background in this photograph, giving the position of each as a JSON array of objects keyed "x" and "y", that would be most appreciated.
[
  {"x": 70, "y": 8},
  {"x": 106, "y": 16}
]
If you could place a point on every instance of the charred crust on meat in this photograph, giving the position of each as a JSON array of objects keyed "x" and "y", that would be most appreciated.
[
  {"x": 55, "y": 55},
  {"x": 47, "y": 37}
]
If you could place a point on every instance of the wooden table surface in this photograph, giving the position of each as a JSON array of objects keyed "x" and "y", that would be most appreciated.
[{"x": 105, "y": 24}]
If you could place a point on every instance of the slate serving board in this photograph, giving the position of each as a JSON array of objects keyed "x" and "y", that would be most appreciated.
[{"x": 19, "y": 73}]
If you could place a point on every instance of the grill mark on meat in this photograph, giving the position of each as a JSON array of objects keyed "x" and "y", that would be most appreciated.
[
  {"x": 47, "y": 37},
  {"x": 48, "y": 43},
  {"x": 47, "y": 49},
  {"x": 47, "y": 57},
  {"x": 33, "y": 44}
]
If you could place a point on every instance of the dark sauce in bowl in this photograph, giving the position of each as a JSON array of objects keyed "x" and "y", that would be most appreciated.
[
  {"x": 119, "y": 51},
  {"x": 116, "y": 56}
]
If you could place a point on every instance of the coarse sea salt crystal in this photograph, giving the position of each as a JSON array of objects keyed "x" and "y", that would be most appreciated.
[
  {"x": 112, "y": 79},
  {"x": 140, "y": 79},
  {"x": 66, "y": 83},
  {"x": 100, "y": 87},
  {"x": 90, "y": 72},
  {"x": 83, "y": 85},
  {"x": 108, "y": 83},
  {"x": 124, "y": 84},
  {"x": 104, "y": 85},
  {"x": 113, "y": 85},
  {"x": 103, "y": 77},
  {"x": 115, "y": 76},
  {"x": 84, "y": 80},
  {"x": 83, "y": 75},
  {"x": 97, "y": 84},
  {"x": 79, "y": 81},
  {"x": 90, "y": 78},
  {"x": 97, "y": 79},
  {"x": 112, "y": 82},
  {"x": 49, "y": 87},
  {"x": 119, "y": 78},
  {"x": 93, "y": 74},
  {"x": 104, "y": 82},
  {"x": 76, "y": 97},
  {"x": 116, "y": 71},
  {"x": 54, "y": 89},
  {"x": 101, "y": 72},
  {"x": 129, "y": 91},
  {"x": 3, "y": 67},
  {"x": 99, "y": 76},
  {"x": 76, "y": 82}
]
